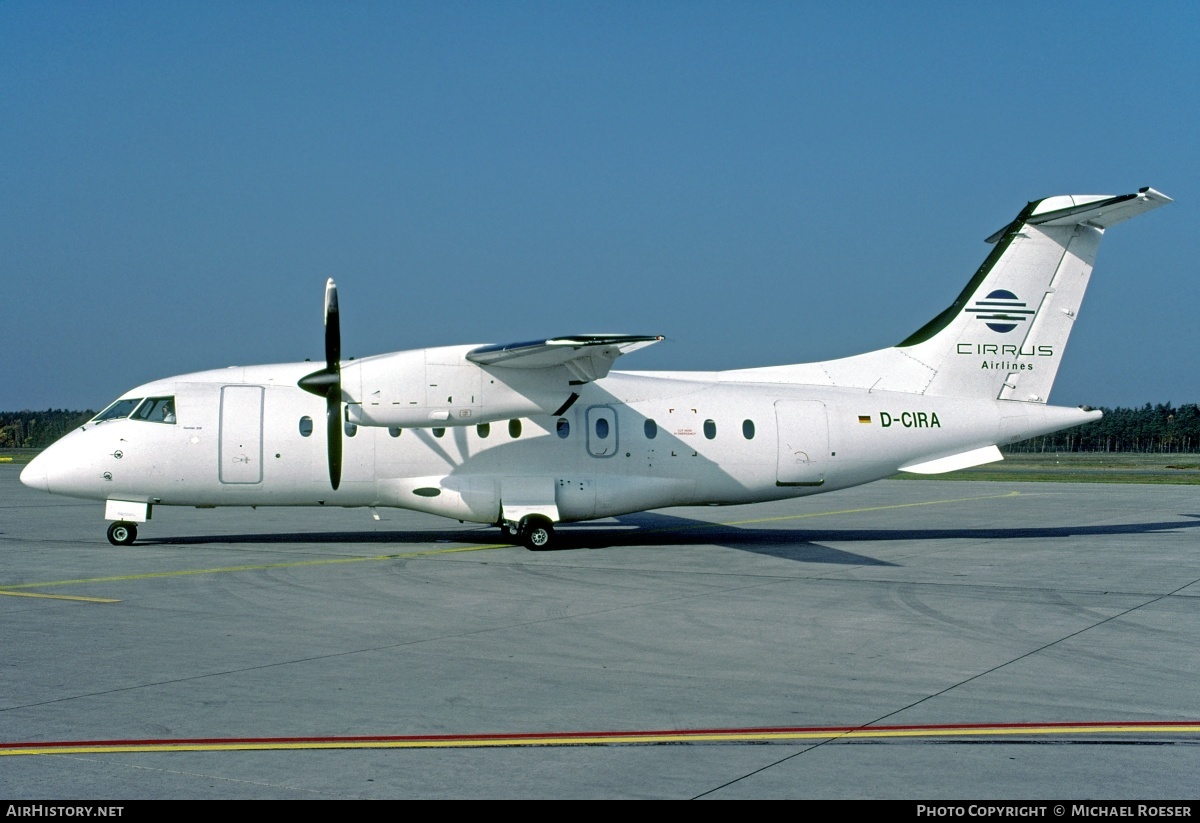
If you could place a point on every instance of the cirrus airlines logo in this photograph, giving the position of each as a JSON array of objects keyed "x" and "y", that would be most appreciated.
[{"x": 1001, "y": 310}]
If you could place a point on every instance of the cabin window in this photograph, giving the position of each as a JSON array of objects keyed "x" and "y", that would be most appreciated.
[
  {"x": 306, "y": 426},
  {"x": 514, "y": 428},
  {"x": 710, "y": 429},
  {"x": 748, "y": 429},
  {"x": 483, "y": 429},
  {"x": 156, "y": 410},
  {"x": 394, "y": 431},
  {"x": 116, "y": 411},
  {"x": 601, "y": 428},
  {"x": 651, "y": 429},
  {"x": 563, "y": 427},
  {"x": 439, "y": 432},
  {"x": 350, "y": 429}
]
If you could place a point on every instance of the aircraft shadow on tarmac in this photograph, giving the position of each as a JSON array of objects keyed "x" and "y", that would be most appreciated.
[{"x": 657, "y": 529}]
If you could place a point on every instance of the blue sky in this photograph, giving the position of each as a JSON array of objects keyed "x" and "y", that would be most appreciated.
[{"x": 762, "y": 182}]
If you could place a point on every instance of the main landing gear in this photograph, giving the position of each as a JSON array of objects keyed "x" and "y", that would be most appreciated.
[
  {"x": 122, "y": 533},
  {"x": 534, "y": 533}
]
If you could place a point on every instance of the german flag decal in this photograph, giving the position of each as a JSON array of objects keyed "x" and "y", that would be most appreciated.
[{"x": 864, "y": 418}]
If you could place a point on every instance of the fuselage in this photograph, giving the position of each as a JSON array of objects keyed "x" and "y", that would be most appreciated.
[{"x": 248, "y": 436}]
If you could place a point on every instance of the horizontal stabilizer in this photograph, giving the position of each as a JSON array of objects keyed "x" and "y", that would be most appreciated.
[
  {"x": 587, "y": 356},
  {"x": 1096, "y": 210}
]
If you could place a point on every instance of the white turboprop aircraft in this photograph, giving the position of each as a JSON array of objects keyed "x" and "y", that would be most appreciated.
[{"x": 528, "y": 435}]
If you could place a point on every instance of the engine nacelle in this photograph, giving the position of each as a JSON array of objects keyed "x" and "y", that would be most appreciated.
[{"x": 438, "y": 387}]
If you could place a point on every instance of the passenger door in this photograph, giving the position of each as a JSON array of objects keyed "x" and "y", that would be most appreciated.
[{"x": 240, "y": 440}]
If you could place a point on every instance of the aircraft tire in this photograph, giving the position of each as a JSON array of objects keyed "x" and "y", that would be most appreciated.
[
  {"x": 538, "y": 535},
  {"x": 122, "y": 533}
]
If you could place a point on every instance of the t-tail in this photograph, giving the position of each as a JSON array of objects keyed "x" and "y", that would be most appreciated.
[
  {"x": 1005, "y": 334},
  {"x": 1003, "y": 338}
]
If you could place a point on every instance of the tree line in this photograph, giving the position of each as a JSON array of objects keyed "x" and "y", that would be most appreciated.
[
  {"x": 1160, "y": 428},
  {"x": 38, "y": 429}
]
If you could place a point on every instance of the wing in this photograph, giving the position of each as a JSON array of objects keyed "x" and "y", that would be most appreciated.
[{"x": 587, "y": 356}]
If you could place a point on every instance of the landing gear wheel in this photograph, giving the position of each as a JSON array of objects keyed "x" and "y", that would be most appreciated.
[
  {"x": 537, "y": 535},
  {"x": 508, "y": 531},
  {"x": 122, "y": 533}
]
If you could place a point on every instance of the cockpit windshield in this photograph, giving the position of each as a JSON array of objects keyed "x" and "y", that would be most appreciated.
[
  {"x": 156, "y": 410},
  {"x": 117, "y": 410},
  {"x": 150, "y": 409}
]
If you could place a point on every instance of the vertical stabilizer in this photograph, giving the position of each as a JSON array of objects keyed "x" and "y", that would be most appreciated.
[{"x": 1005, "y": 334}]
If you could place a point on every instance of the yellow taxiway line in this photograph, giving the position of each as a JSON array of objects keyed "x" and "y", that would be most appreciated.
[{"x": 11, "y": 590}]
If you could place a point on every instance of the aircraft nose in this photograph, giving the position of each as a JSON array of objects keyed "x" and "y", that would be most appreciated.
[
  {"x": 34, "y": 475},
  {"x": 66, "y": 467}
]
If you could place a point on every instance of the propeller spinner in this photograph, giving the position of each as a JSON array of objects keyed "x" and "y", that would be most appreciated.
[{"x": 327, "y": 383}]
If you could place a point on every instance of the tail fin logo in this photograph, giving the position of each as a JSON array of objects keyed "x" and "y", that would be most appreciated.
[{"x": 1001, "y": 310}]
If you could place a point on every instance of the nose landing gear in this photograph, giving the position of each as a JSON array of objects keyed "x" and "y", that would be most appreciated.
[{"x": 122, "y": 533}]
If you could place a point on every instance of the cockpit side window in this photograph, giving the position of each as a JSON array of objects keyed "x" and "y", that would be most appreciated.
[
  {"x": 117, "y": 410},
  {"x": 156, "y": 410}
]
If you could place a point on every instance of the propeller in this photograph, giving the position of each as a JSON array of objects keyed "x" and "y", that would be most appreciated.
[{"x": 327, "y": 383}]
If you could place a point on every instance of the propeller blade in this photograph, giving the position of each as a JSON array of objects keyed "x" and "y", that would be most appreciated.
[
  {"x": 333, "y": 434},
  {"x": 333, "y": 392},
  {"x": 333, "y": 328},
  {"x": 327, "y": 383}
]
